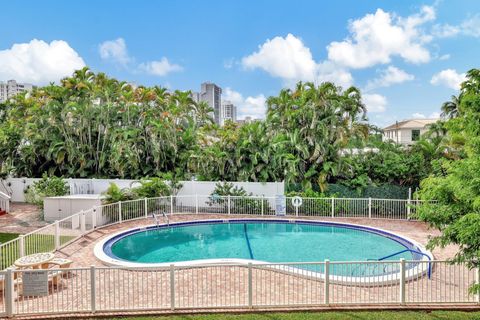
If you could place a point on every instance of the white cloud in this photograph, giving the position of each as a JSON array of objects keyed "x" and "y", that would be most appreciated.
[
  {"x": 289, "y": 59},
  {"x": 375, "y": 38},
  {"x": 444, "y": 57},
  {"x": 375, "y": 102},
  {"x": 468, "y": 27},
  {"x": 433, "y": 115},
  {"x": 115, "y": 50},
  {"x": 254, "y": 107},
  {"x": 160, "y": 68},
  {"x": 285, "y": 58},
  {"x": 449, "y": 78},
  {"x": 471, "y": 26},
  {"x": 39, "y": 62},
  {"x": 389, "y": 76},
  {"x": 229, "y": 63},
  {"x": 445, "y": 30}
]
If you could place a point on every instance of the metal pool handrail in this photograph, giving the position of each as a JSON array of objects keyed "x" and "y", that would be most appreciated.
[{"x": 413, "y": 251}]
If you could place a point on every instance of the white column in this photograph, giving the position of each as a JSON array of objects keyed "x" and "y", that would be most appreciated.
[
  {"x": 370, "y": 208},
  {"x": 409, "y": 202},
  {"x": 171, "y": 205},
  {"x": 146, "y": 208},
  {"x": 262, "y": 199},
  {"x": 9, "y": 293},
  {"x": 93, "y": 290},
  {"x": 402, "y": 282},
  {"x": 478, "y": 283},
  {"x": 228, "y": 204},
  {"x": 21, "y": 245},
  {"x": 196, "y": 203},
  {"x": 94, "y": 217},
  {"x": 57, "y": 235},
  {"x": 250, "y": 286},
  {"x": 333, "y": 207},
  {"x": 172, "y": 287},
  {"x": 326, "y": 291},
  {"x": 120, "y": 211},
  {"x": 82, "y": 221}
]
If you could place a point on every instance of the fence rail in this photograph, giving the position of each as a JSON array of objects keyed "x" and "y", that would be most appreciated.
[
  {"x": 107, "y": 289},
  {"x": 60, "y": 233},
  {"x": 227, "y": 286}
]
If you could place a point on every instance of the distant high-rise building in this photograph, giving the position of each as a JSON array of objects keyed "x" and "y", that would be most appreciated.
[
  {"x": 212, "y": 94},
  {"x": 11, "y": 88},
  {"x": 195, "y": 96},
  {"x": 228, "y": 112}
]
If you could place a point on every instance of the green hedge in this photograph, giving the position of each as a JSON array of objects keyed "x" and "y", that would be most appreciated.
[{"x": 384, "y": 191}]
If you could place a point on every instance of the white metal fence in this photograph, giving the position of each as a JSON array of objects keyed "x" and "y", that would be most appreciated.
[
  {"x": 107, "y": 289},
  {"x": 226, "y": 286},
  {"x": 56, "y": 235}
]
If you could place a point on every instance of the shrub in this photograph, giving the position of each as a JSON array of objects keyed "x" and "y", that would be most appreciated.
[
  {"x": 46, "y": 187},
  {"x": 242, "y": 201},
  {"x": 149, "y": 188}
]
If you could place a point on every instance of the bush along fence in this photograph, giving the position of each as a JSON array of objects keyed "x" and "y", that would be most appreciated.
[{"x": 264, "y": 285}]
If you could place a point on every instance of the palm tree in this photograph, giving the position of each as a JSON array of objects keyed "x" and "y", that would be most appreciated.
[{"x": 450, "y": 108}]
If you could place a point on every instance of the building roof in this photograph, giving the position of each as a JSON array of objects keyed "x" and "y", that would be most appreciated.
[{"x": 410, "y": 124}]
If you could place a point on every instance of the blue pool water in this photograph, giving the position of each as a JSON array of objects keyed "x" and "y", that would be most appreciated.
[{"x": 257, "y": 240}]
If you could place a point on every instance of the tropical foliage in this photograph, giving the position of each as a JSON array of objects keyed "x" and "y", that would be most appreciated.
[
  {"x": 148, "y": 188},
  {"x": 455, "y": 184},
  {"x": 46, "y": 187},
  {"x": 299, "y": 141},
  {"x": 95, "y": 126}
]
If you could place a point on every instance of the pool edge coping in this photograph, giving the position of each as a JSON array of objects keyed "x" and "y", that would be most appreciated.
[{"x": 412, "y": 273}]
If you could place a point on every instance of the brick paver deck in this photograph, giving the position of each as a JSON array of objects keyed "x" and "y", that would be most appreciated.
[{"x": 226, "y": 287}]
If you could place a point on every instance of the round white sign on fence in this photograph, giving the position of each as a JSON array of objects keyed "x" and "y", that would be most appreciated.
[{"x": 297, "y": 201}]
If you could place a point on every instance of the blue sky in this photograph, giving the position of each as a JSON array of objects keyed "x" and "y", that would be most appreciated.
[{"x": 407, "y": 56}]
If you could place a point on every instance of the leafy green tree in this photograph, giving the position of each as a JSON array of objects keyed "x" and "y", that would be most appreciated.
[
  {"x": 95, "y": 126},
  {"x": 455, "y": 189}
]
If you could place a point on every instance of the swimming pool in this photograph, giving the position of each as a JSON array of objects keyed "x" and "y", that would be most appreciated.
[{"x": 260, "y": 240}]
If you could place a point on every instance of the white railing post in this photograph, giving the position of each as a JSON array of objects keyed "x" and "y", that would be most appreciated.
[
  {"x": 478, "y": 284},
  {"x": 21, "y": 245},
  {"x": 228, "y": 204},
  {"x": 93, "y": 290},
  {"x": 145, "y": 203},
  {"x": 171, "y": 204},
  {"x": 82, "y": 221},
  {"x": 57, "y": 235},
  {"x": 120, "y": 211},
  {"x": 326, "y": 290},
  {"x": 172, "y": 287},
  {"x": 369, "y": 207},
  {"x": 9, "y": 293},
  {"x": 94, "y": 217},
  {"x": 402, "y": 282},
  {"x": 409, "y": 202},
  {"x": 196, "y": 203},
  {"x": 262, "y": 199},
  {"x": 333, "y": 207},
  {"x": 250, "y": 286}
]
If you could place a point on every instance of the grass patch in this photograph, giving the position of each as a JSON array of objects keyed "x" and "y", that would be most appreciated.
[
  {"x": 358, "y": 315},
  {"x": 5, "y": 237}
]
